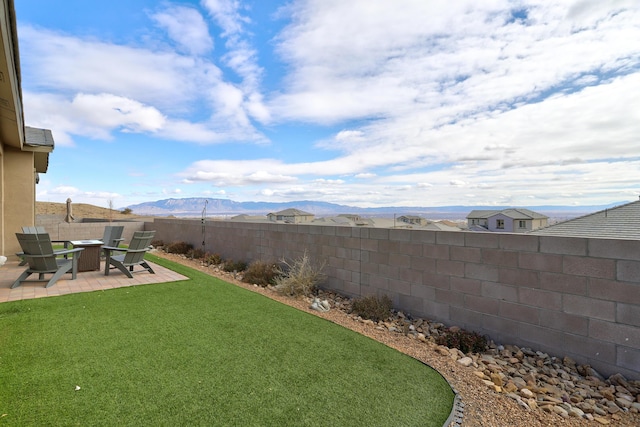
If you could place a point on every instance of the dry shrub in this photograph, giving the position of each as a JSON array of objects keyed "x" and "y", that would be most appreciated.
[
  {"x": 373, "y": 307},
  {"x": 213, "y": 259},
  {"x": 261, "y": 273},
  {"x": 231, "y": 266},
  {"x": 196, "y": 253},
  {"x": 464, "y": 341},
  {"x": 299, "y": 277},
  {"x": 180, "y": 248}
]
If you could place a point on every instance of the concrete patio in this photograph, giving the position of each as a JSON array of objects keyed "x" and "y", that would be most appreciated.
[{"x": 85, "y": 282}]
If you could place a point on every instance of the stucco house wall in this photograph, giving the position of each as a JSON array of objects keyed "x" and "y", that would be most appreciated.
[{"x": 20, "y": 160}]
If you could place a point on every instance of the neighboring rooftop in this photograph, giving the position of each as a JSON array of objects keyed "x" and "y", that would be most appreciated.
[
  {"x": 620, "y": 222},
  {"x": 513, "y": 213}
]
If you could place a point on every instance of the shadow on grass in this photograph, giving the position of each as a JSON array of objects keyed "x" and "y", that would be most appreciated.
[{"x": 201, "y": 352}]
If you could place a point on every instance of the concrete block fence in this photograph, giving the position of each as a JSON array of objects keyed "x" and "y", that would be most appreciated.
[
  {"x": 60, "y": 230},
  {"x": 561, "y": 295}
]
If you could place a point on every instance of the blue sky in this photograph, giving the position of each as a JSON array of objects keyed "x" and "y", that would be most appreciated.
[{"x": 362, "y": 102}]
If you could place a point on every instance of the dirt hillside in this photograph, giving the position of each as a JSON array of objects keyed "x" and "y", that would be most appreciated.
[{"x": 81, "y": 210}]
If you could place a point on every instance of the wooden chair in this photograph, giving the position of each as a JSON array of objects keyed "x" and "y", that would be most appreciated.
[
  {"x": 133, "y": 255},
  {"x": 42, "y": 259}
]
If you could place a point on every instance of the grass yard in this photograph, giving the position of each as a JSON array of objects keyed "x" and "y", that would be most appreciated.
[{"x": 201, "y": 352}]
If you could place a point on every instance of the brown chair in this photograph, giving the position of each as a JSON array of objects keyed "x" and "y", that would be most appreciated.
[
  {"x": 133, "y": 254},
  {"x": 42, "y": 259}
]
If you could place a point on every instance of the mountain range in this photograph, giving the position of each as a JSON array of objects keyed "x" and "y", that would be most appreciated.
[{"x": 200, "y": 206}]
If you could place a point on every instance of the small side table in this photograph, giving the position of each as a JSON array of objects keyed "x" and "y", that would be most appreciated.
[{"x": 89, "y": 258}]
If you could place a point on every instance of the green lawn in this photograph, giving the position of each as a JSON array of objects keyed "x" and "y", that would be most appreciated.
[{"x": 201, "y": 352}]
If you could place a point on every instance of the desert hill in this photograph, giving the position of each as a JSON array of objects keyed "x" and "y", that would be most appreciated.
[{"x": 81, "y": 210}]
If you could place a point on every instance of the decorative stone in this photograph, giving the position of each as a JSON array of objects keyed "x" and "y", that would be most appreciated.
[
  {"x": 525, "y": 392},
  {"x": 465, "y": 361},
  {"x": 479, "y": 374},
  {"x": 607, "y": 394},
  {"x": 560, "y": 411},
  {"x": 575, "y": 412},
  {"x": 497, "y": 379},
  {"x": 532, "y": 403},
  {"x": 510, "y": 387},
  {"x": 623, "y": 403}
]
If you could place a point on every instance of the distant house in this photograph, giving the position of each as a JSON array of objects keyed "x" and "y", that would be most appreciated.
[
  {"x": 248, "y": 218},
  {"x": 291, "y": 216},
  {"x": 442, "y": 226},
  {"x": 351, "y": 217},
  {"x": 620, "y": 222},
  {"x": 413, "y": 219},
  {"x": 506, "y": 220}
]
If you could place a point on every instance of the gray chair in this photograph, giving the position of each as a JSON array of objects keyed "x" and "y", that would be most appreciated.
[
  {"x": 112, "y": 236},
  {"x": 38, "y": 252},
  {"x": 133, "y": 254},
  {"x": 33, "y": 230},
  {"x": 41, "y": 230}
]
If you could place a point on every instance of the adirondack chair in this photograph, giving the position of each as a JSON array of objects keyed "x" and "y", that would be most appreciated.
[
  {"x": 113, "y": 235},
  {"x": 33, "y": 230},
  {"x": 39, "y": 254},
  {"x": 41, "y": 230},
  {"x": 133, "y": 255}
]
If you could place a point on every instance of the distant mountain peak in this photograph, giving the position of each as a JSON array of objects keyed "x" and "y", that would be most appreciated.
[{"x": 216, "y": 207}]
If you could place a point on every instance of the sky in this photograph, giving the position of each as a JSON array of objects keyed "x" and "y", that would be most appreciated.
[{"x": 364, "y": 103}]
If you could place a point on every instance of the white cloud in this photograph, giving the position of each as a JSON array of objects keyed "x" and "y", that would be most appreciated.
[
  {"x": 171, "y": 191},
  {"x": 429, "y": 100},
  {"x": 227, "y": 15},
  {"x": 453, "y": 60},
  {"x": 62, "y": 70},
  {"x": 93, "y": 116},
  {"x": 186, "y": 27},
  {"x": 241, "y": 57},
  {"x": 237, "y": 173}
]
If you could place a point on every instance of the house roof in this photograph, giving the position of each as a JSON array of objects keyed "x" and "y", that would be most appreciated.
[
  {"x": 40, "y": 141},
  {"x": 482, "y": 214},
  {"x": 513, "y": 213},
  {"x": 292, "y": 212},
  {"x": 11, "y": 117},
  {"x": 440, "y": 226},
  {"x": 620, "y": 222},
  {"x": 410, "y": 217}
]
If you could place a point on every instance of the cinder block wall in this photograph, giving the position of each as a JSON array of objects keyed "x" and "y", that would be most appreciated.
[
  {"x": 565, "y": 296},
  {"x": 58, "y": 229}
]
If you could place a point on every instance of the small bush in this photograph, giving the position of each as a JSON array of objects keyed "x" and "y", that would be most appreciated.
[
  {"x": 373, "y": 307},
  {"x": 230, "y": 266},
  {"x": 213, "y": 259},
  {"x": 126, "y": 211},
  {"x": 261, "y": 273},
  {"x": 181, "y": 248},
  {"x": 299, "y": 277},
  {"x": 196, "y": 253},
  {"x": 157, "y": 243},
  {"x": 464, "y": 341}
]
